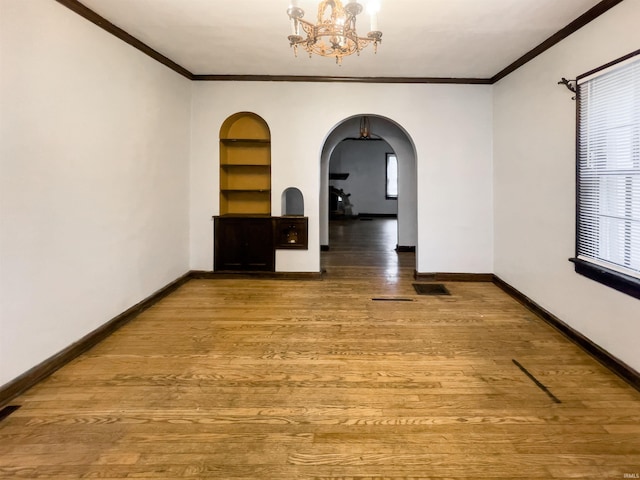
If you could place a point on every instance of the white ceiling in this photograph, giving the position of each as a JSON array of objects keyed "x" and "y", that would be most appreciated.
[{"x": 421, "y": 38}]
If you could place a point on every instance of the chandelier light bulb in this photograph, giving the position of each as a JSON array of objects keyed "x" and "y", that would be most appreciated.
[
  {"x": 374, "y": 22},
  {"x": 373, "y": 6}
]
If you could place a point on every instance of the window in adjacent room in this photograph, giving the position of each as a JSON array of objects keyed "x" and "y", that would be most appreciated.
[
  {"x": 608, "y": 175},
  {"x": 391, "y": 190}
]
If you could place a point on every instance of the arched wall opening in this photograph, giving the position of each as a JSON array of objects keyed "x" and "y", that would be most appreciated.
[
  {"x": 292, "y": 202},
  {"x": 403, "y": 146}
]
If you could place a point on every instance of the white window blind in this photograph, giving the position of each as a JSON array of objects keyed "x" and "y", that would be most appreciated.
[{"x": 609, "y": 169}]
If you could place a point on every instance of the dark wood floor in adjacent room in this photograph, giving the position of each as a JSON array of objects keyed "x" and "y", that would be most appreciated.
[{"x": 292, "y": 379}]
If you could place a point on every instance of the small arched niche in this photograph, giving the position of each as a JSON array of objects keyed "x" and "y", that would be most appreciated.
[{"x": 292, "y": 202}]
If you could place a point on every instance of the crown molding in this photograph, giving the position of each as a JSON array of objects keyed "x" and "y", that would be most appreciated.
[
  {"x": 309, "y": 78},
  {"x": 577, "y": 24},
  {"x": 574, "y": 26}
]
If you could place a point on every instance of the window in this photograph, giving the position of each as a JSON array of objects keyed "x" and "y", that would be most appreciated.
[
  {"x": 608, "y": 175},
  {"x": 391, "y": 189}
]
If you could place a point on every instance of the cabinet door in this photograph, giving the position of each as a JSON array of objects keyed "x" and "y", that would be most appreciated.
[
  {"x": 244, "y": 244},
  {"x": 259, "y": 254},
  {"x": 229, "y": 244}
]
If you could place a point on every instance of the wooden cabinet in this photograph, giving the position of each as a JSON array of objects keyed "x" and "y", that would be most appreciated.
[
  {"x": 249, "y": 242},
  {"x": 245, "y": 166},
  {"x": 244, "y": 243},
  {"x": 291, "y": 232}
]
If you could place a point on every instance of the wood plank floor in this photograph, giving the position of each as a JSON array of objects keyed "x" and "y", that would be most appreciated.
[{"x": 284, "y": 379}]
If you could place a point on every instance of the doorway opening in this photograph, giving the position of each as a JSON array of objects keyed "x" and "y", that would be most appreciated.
[{"x": 368, "y": 213}]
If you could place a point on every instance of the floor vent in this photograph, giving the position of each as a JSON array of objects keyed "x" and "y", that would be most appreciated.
[
  {"x": 431, "y": 289},
  {"x": 8, "y": 410}
]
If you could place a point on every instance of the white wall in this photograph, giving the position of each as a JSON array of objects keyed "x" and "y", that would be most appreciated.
[
  {"x": 534, "y": 161},
  {"x": 366, "y": 164},
  {"x": 451, "y": 126},
  {"x": 94, "y": 143}
]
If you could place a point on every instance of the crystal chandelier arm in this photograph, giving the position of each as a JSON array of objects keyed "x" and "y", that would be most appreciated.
[{"x": 308, "y": 28}]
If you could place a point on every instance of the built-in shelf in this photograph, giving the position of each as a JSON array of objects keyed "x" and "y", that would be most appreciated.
[
  {"x": 245, "y": 166},
  {"x": 227, "y": 190},
  {"x": 227, "y": 141},
  {"x": 236, "y": 165},
  {"x": 338, "y": 176},
  {"x": 244, "y": 215}
]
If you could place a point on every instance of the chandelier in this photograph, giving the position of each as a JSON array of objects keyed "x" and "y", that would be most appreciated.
[{"x": 334, "y": 35}]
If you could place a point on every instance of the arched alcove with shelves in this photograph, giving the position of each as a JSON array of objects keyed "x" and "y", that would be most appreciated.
[
  {"x": 245, "y": 165},
  {"x": 243, "y": 232}
]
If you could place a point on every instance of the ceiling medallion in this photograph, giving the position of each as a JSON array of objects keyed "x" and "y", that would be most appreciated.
[{"x": 334, "y": 35}]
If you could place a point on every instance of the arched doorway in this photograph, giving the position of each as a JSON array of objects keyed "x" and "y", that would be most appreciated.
[{"x": 402, "y": 145}]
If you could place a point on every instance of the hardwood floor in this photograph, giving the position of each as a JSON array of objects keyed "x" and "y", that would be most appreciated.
[{"x": 284, "y": 379}]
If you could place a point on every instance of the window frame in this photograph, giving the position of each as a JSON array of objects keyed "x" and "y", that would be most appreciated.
[
  {"x": 386, "y": 177},
  {"x": 610, "y": 277}
]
